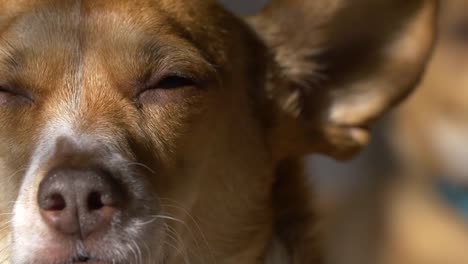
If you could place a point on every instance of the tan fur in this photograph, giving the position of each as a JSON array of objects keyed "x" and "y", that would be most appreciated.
[{"x": 221, "y": 157}]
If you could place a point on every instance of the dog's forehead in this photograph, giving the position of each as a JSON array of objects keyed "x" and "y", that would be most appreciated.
[
  {"x": 67, "y": 31},
  {"x": 109, "y": 16},
  {"x": 49, "y": 18},
  {"x": 178, "y": 6}
]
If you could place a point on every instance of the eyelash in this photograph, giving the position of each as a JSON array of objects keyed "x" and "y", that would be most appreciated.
[
  {"x": 169, "y": 82},
  {"x": 170, "y": 88},
  {"x": 18, "y": 95},
  {"x": 3, "y": 89},
  {"x": 174, "y": 82}
]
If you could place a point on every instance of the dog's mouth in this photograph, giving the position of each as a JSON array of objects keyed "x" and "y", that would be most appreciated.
[
  {"x": 85, "y": 259},
  {"x": 98, "y": 252},
  {"x": 88, "y": 215},
  {"x": 80, "y": 252},
  {"x": 90, "y": 261}
]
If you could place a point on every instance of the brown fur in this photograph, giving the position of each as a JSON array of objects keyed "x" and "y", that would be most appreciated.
[{"x": 219, "y": 155}]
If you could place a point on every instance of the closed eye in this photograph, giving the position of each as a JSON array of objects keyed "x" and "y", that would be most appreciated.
[
  {"x": 9, "y": 96},
  {"x": 174, "y": 81},
  {"x": 168, "y": 89},
  {"x": 5, "y": 90}
]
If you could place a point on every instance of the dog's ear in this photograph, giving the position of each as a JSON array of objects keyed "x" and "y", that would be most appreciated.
[{"x": 337, "y": 65}]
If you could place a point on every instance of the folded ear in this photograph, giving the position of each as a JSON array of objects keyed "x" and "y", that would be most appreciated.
[{"x": 337, "y": 65}]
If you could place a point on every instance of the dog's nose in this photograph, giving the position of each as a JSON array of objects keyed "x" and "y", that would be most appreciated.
[{"x": 79, "y": 202}]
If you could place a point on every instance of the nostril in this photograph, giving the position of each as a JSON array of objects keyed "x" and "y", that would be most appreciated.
[
  {"x": 54, "y": 202},
  {"x": 95, "y": 201},
  {"x": 79, "y": 202}
]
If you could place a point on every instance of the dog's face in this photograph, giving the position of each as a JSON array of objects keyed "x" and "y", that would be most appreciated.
[
  {"x": 150, "y": 131},
  {"x": 121, "y": 95}
]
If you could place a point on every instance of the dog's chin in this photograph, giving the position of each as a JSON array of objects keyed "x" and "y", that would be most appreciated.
[
  {"x": 92, "y": 262},
  {"x": 80, "y": 260},
  {"x": 98, "y": 254},
  {"x": 64, "y": 258},
  {"x": 86, "y": 260},
  {"x": 89, "y": 261}
]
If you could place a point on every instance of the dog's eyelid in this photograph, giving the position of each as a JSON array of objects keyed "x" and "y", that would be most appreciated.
[
  {"x": 173, "y": 80},
  {"x": 8, "y": 89},
  {"x": 176, "y": 81},
  {"x": 169, "y": 87}
]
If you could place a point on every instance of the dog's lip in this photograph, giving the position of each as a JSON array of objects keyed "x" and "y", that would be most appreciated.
[
  {"x": 89, "y": 260},
  {"x": 93, "y": 262}
]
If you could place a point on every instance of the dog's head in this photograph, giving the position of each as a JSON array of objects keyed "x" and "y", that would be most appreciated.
[{"x": 149, "y": 131}]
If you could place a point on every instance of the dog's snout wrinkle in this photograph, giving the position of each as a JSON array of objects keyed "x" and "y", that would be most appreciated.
[{"x": 79, "y": 202}]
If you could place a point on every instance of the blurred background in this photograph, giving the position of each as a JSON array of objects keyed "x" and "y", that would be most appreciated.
[
  {"x": 244, "y": 7},
  {"x": 405, "y": 199}
]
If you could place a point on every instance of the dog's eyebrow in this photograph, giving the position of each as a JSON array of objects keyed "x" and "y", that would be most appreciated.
[
  {"x": 9, "y": 55},
  {"x": 182, "y": 32},
  {"x": 184, "y": 58}
]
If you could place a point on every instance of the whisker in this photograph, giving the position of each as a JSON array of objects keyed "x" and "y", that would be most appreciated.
[
  {"x": 146, "y": 248},
  {"x": 5, "y": 225},
  {"x": 176, "y": 205},
  {"x": 5, "y": 248},
  {"x": 3, "y": 229},
  {"x": 152, "y": 220},
  {"x": 176, "y": 240},
  {"x": 134, "y": 253},
  {"x": 135, "y": 249},
  {"x": 23, "y": 169},
  {"x": 169, "y": 218},
  {"x": 181, "y": 222},
  {"x": 5, "y": 260},
  {"x": 173, "y": 231},
  {"x": 6, "y": 214},
  {"x": 142, "y": 166},
  {"x": 140, "y": 255}
]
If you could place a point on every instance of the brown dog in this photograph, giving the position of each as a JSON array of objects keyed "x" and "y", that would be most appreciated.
[
  {"x": 171, "y": 131},
  {"x": 418, "y": 214}
]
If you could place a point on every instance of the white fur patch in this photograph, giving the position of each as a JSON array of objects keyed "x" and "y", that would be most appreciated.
[{"x": 29, "y": 235}]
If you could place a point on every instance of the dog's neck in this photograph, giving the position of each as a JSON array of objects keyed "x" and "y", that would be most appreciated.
[{"x": 296, "y": 228}]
